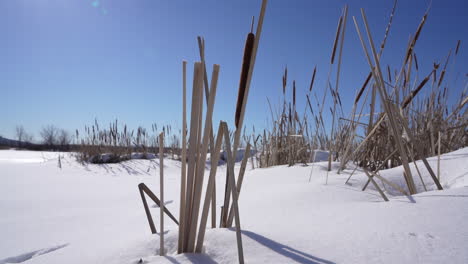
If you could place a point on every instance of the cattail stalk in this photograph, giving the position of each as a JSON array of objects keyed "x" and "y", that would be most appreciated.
[{"x": 161, "y": 188}]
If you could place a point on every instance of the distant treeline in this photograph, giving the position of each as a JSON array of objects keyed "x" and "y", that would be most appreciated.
[{"x": 9, "y": 143}]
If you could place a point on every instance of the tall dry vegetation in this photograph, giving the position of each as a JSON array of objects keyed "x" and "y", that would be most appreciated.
[
  {"x": 118, "y": 143},
  {"x": 420, "y": 107}
]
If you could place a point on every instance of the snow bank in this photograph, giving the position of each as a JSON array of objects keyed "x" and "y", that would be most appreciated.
[
  {"x": 239, "y": 156},
  {"x": 453, "y": 173}
]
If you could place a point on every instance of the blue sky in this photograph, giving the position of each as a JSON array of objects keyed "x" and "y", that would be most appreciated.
[{"x": 67, "y": 62}]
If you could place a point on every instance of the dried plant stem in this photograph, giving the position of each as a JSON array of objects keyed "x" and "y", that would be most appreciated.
[
  {"x": 336, "y": 87},
  {"x": 161, "y": 193},
  {"x": 201, "y": 48},
  {"x": 194, "y": 123},
  {"x": 184, "y": 158},
  {"x": 438, "y": 157},
  {"x": 234, "y": 192},
  {"x": 210, "y": 189},
  {"x": 240, "y": 179},
  {"x": 202, "y": 159},
  {"x": 239, "y": 123}
]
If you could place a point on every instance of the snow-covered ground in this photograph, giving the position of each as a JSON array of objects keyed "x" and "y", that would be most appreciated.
[{"x": 94, "y": 214}]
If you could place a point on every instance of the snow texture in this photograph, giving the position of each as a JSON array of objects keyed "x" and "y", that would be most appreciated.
[{"x": 94, "y": 214}]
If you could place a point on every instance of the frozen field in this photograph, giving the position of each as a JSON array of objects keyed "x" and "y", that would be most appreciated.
[{"x": 94, "y": 214}]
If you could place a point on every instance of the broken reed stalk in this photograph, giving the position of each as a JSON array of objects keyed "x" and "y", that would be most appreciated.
[
  {"x": 416, "y": 167},
  {"x": 144, "y": 189},
  {"x": 375, "y": 185},
  {"x": 147, "y": 211},
  {"x": 161, "y": 188},
  {"x": 240, "y": 179},
  {"x": 418, "y": 147},
  {"x": 438, "y": 157},
  {"x": 199, "y": 176},
  {"x": 196, "y": 101},
  {"x": 233, "y": 191},
  {"x": 252, "y": 156},
  {"x": 184, "y": 158},
  {"x": 213, "y": 203},
  {"x": 380, "y": 167},
  {"x": 209, "y": 189},
  {"x": 201, "y": 49}
]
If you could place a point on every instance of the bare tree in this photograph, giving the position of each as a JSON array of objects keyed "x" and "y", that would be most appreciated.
[
  {"x": 22, "y": 136},
  {"x": 64, "y": 138},
  {"x": 49, "y": 135},
  {"x": 28, "y": 138},
  {"x": 20, "y": 133}
]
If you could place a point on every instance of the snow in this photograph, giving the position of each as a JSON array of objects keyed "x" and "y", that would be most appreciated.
[
  {"x": 239, "y": 154},
  {"x": 454, "y": 173},
  {"x": 94, "y": 214}
]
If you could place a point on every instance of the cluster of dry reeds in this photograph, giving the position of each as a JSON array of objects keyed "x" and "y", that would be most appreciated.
[
  {"x": 293, "y": 136},
  {"x": 288, "y": 141},
  {"x": 117, "y": 143},
  {"x": 408, "y": 127},
  {"x": 403, "y": 124},
  {"x": 201, "y": 139}
]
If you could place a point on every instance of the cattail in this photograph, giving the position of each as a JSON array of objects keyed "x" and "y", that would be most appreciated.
[
  {"x": 382, "y": 46},
  {"x": 339, "y": 99},
  {"x": 294, "y": 93},
  {"x": 404, "y": 78},
  {"x": 416, "y": 36},
  {"x": 313, "y": 79},
  {"x": 415, "y": 91},
  {"x": 441, "y": 78},
  {"x": 285, "y": 79},
  {"x": 244, "y": 74},
  {"x": 363, "y": 88},
  {"x": 389, "y": 75},
  {"x": 335, "y": 44},
  {"x": 445, "y": 67},
  {"x": 415, "y": 61}
]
